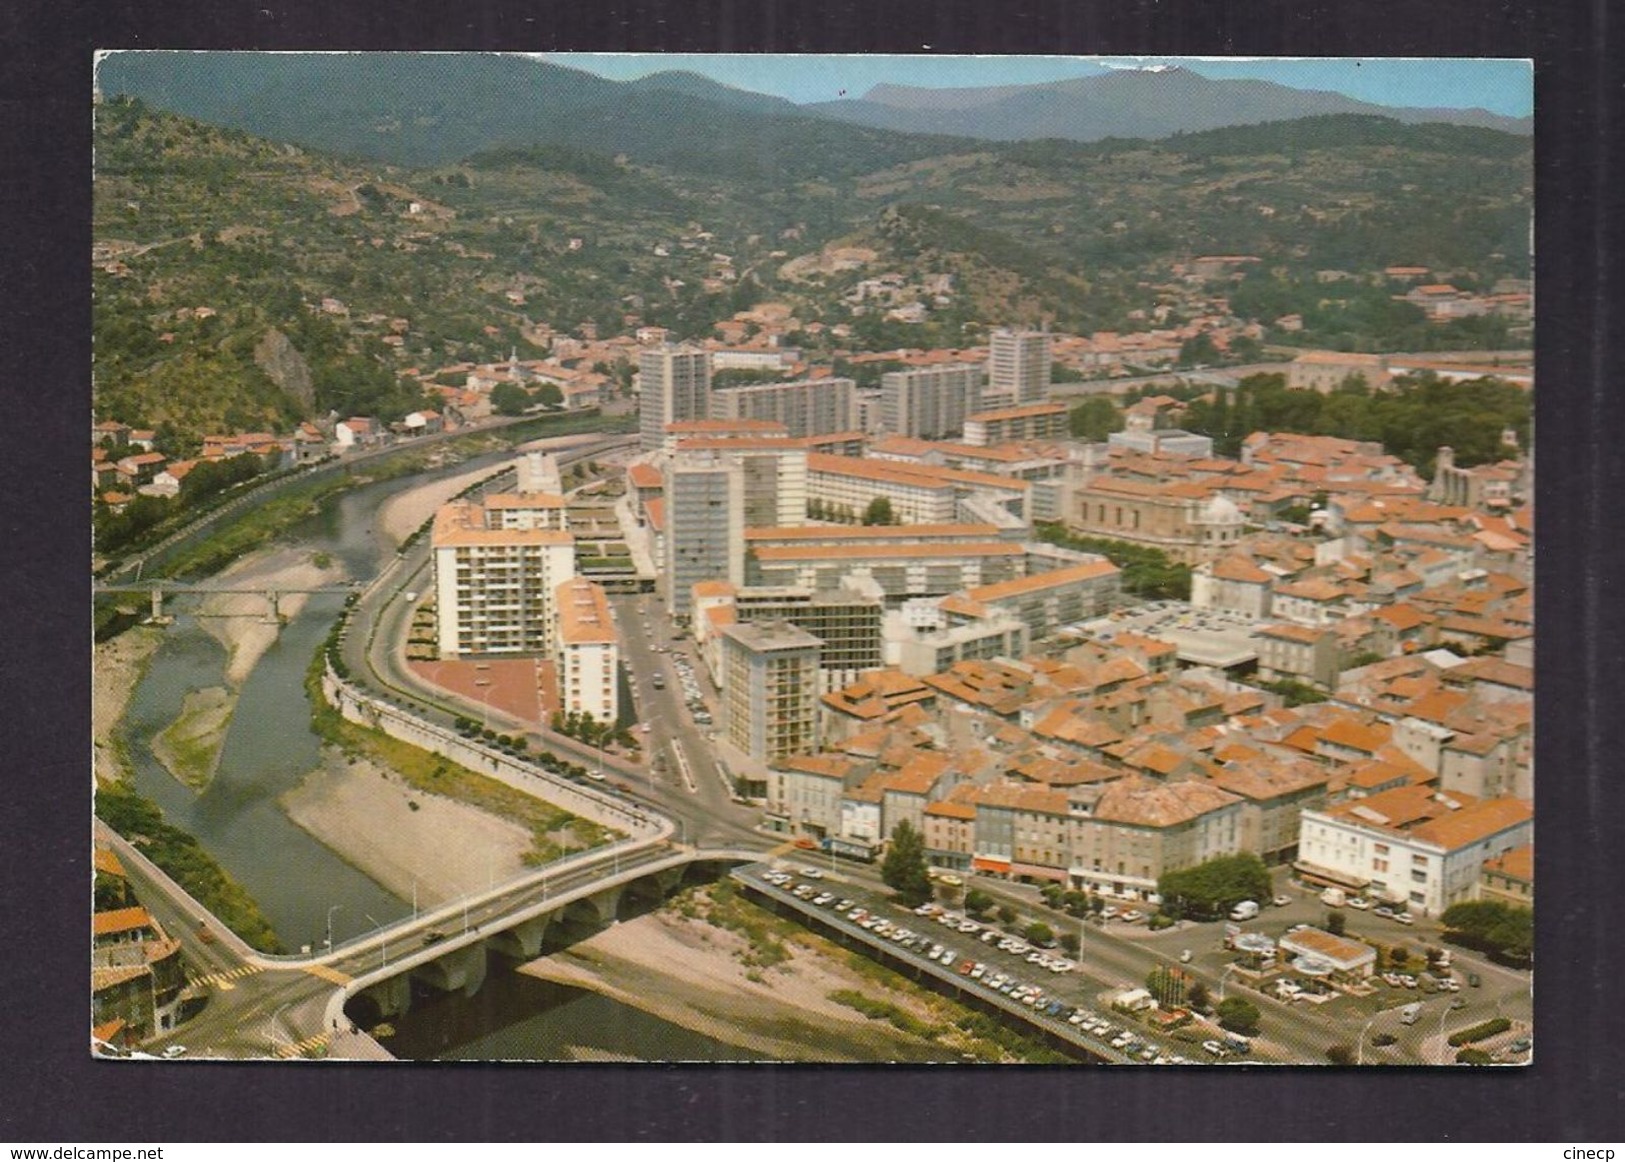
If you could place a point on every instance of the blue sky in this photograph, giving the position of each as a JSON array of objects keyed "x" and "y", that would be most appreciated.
[{"x": 1502, "y": 86}]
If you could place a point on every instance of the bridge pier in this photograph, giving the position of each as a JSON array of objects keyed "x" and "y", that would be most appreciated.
[
  {"x": 523, "y": 941},
  {"x": 460, "y": 970},
  {"x": 392, "y": 996}
]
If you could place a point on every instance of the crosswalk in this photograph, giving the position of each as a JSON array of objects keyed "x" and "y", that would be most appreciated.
[
  {"x": 309, "y": 1045},
  {"x": 331, "y": 975},
  {"x": 223, "y": 980}
]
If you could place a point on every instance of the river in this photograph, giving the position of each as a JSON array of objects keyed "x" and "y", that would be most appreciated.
[{"x": 269, "y": 746}]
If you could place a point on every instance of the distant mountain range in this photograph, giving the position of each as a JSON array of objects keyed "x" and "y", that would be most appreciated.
[
  {"x": 434, "y": 109},
  {"x": 1119, "y": 103}
]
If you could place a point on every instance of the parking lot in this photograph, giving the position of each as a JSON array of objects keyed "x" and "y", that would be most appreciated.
[{"x": 1041, "y": 985}]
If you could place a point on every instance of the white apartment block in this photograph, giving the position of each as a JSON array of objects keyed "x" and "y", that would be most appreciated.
[
  {"x": 807, "y": 407},
  {"x": 1018, "y": 365},
  {"x": 586, "y": 651},
  {"x": 674, "y": 383},
  {"x": 770, "y": 689},
  {"x": 1034, "y": 421},
  {"x": 774, "y": 473},
  {"x": 495, "y": 586},
  {"x": 705, "y": 528},
  {"x": 1412, "y": 845},
  {"x": 930, "y": 402}
]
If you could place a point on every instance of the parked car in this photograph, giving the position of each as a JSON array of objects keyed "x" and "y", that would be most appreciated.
[
  {"x": 175, "y": 1051},
  {"x": 1404, "y": 918},
  {"x": 1359, "y": 903}
]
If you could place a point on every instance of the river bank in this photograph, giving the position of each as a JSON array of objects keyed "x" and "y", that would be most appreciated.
[
  {"x": 189, "y": 747},
  {"x": 116, "y": 667},
  {"x": 414, "y": 843},
  {"x": 241, "y": 622},
  {"x": 772, "y": 987}
]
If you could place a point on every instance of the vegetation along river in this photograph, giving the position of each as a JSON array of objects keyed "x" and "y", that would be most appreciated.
[{"x": 269, "y": 746}]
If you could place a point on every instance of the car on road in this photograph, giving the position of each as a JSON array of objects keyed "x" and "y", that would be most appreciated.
[
  {"x": 812, "y": 873},
  {"x": 1184, "y": 956},
  {"x": 1282, "y": 901},
  {"x": 1474, "y": 980},
  {"x": 1385, "y": 910},
  {"x": 174, "y": 1051},
  {"x": 1458, "y": 1002},
  {"x": 1521, "y": 1045}
]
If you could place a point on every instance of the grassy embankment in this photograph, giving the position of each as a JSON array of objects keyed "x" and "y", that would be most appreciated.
[
  {"x": 912, "y": 1009},
  {"x": 140, "y": 821},
  {"x": 554, "y": 832}
]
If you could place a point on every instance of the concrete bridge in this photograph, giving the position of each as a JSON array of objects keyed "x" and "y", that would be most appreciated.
[
  {"x": 278, "y": 1005},
  {"x": 157, "y": 590},
  {"x": 449, "y": 951}
]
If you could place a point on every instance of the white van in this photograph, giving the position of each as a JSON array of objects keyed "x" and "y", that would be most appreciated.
[
  {"x": 1333, "y": 897},
  {"x": 1245, "y": 910}
]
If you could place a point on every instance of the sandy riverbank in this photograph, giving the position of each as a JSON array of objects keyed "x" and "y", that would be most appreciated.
[
  {"x": 400, "y": 515},
  {"x": 690, "y": 973},
  {"x": 403, "y": 837},
  {"x": 116, "y": 667},
  {"x": 189, "y": 747},
  {"x": 240, "y": 621}
]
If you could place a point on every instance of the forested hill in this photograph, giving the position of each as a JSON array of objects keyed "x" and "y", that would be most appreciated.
[{"x": 683, "y": 234}]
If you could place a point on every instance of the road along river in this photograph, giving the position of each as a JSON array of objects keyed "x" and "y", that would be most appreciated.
[{"x": 269, "y": 748}]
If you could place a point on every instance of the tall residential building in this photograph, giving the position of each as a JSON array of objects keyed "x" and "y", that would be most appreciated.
[
  {"x": 770, "y": 689},
  {"x": 674, "y": 383},
  {"x": 704, "y": 515},
  {"x": 930, "y": 402},
  {"x": 1018, "y": 365},
  {"x": 775, "y": 475},
  {"x": 807, "y": 407},
  {"x": 495, "y": 585},
  {"x": 586, "y": 651},
  {"x": 845, "y": 622}
]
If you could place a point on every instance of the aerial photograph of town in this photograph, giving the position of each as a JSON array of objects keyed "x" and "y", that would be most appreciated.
[{"x": 849, "y": 560}]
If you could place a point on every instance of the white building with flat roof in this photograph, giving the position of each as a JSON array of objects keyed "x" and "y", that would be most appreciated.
[
  {"x": 586, "y": 651},
  {"x": 494, "y": 585},
  {"x": 770, "y": 689}
]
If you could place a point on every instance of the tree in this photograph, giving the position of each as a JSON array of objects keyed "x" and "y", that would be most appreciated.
[
  {"x": 1007, "y": 914},
  {"x": 549, "y": 394},
  {"x": 879, "y": 512},
  {"x": 1198, "y": 997},
  {"x": 1070, "y": 943},
  {"x": 978, "y": 902},
  {"x": 1211, "y": 889},
  {"x": 1168, "y": 985},
  {"x": 1094, "y": 419},
  {"x": 509, "y": 399},
  {"x": 1340, "y": 1055},
  {"x": 1336, "y": 923},
  {"x": 1238, "y": 1015},
  {"x": 903, "y": 869},
  {"x": 1040, "y": 933},
  {"x": 1492, "y": 926}
]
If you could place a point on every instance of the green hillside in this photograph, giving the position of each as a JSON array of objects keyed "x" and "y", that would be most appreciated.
[{"x": 681, "y": 232}]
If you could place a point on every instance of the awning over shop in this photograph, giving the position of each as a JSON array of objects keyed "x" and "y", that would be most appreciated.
[
  {"x": 1325, "y": 875},
  {"x": 997, "y": 866}
]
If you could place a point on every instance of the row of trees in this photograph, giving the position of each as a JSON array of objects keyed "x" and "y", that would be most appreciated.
[
  {"x": 578, "y": 724},
  {"x": 1147, "y": 572},
  {"x": 1491, "y": 926},
  {"x": 1411, "y": 418}
]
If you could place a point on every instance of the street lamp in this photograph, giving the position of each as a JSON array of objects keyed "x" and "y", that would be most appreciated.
[
  {"x": 1228, "y": 969},
  {"x": 330, "y": 912}
]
